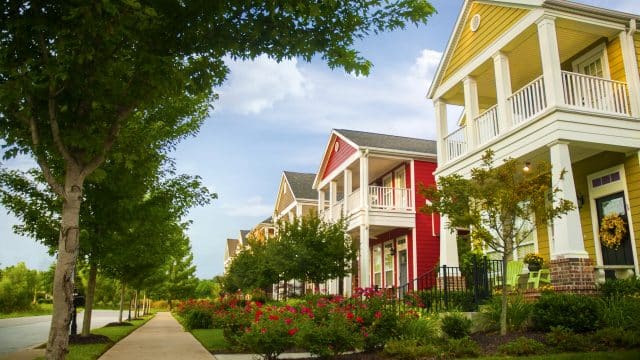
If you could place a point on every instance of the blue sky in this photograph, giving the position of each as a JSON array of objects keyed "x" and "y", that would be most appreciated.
[{"x": 273, "y": 117}]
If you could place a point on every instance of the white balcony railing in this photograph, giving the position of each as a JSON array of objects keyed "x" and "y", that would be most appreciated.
[
  {"x": 594, "y": 93},
  {"x": 336, "y": 209},
  {"x": 456, "y": 144},
  {"x": 390, "y": 198},
  {"x": 528, "y": 102},
  {"x": 487, "y": 124},
  {"x": 353, "y": 201}
]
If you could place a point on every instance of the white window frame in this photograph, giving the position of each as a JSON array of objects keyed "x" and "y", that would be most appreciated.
[{"x": 599, "y": 51}]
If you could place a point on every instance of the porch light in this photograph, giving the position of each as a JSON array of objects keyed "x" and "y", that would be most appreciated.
[
  {"x": 527, "y": 167},
  {"x": 580, "y": 199}
]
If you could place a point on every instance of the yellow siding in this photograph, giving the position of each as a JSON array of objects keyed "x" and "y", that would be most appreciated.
[
  {"x": 616, "y": 66},
  {"x": 632, "y": 172},
  {"x": 495, "y": 20},
  {"x": 580, "y": 171},
  {"x": 542, "y": 233}
]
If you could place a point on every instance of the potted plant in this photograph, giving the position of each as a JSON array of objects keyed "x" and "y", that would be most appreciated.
[{"x": 534, "y": 261}]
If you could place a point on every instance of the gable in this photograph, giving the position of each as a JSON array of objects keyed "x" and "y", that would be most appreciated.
[
  {"x": 285, "y": 196},
  {"x": 494, "y": 21},
  {"x": 339, "y": 150}
]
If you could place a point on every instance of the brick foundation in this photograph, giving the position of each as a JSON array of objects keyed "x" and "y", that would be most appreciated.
[{"x": 573, "y": 275}]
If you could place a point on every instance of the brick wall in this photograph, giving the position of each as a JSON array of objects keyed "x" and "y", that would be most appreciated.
[{"x": 573, "y": 275}]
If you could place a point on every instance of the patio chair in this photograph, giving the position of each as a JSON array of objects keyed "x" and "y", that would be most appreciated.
[
  {"x": 514, "y": 268},
  {"x": 537, "y": 277}
]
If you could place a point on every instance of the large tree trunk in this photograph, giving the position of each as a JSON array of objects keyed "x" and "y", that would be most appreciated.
[
  {"x": 57, "y": 346},
  {"x": 88, "y": 300},
  {"x": 121, "y": 303},
  {"x": 136, "y": 305}
]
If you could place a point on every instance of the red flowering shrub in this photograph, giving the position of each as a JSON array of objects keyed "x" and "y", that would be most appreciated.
[{"x": 271, "y": 333}]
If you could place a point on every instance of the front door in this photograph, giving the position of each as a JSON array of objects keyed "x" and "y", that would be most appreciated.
[{"x": 615, "y": 203}]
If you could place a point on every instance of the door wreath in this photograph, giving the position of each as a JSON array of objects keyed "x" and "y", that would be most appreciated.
[{"x": 612, "y": 231}]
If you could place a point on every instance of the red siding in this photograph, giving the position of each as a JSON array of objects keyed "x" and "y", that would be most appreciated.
[
  {"x": 337, "y": 157},
  {"x": 427, "y": 245}
]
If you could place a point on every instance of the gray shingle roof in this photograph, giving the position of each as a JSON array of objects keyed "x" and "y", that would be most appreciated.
[
  {"x": 301, "y": 185},
  {"x": 268, "y": 220},
  {"x": 391, "y": 142},
  {"x": 243, "y": 235}
]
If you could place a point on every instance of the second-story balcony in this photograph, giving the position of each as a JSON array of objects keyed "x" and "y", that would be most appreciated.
[
  {"x": 580, "y": 92},
  {"x": 380, "y": 199}
]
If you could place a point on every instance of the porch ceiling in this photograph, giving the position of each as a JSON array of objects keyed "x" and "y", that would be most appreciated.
[
  {"x": 577, "y": 150},
  {"x": 524, "y": 58}
]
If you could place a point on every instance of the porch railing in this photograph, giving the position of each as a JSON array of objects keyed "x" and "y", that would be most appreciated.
[
  {"x": 456, "y": 143},
  {"x": 529, "y": 101},
  {"x": 336, "y": 209},
  {"x": 447, "y": 288},
  {"x": 487, "y": 124},
  {"x": 353, "y": 201},
  {"x": 390, "y": 198},
  {"x": 595, "y": 93}
]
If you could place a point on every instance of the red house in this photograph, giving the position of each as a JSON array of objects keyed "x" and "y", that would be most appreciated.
[{"x": 374, "y": 180}]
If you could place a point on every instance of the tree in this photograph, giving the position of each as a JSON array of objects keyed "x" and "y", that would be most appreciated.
[
  {"x": 319, "y": 250},
  {"x": 18, "y": 285},
  {"x": 180, "y": 279},
  {"x": 208, "y": 288},
  {"x": 501, "y": 206},
  {"x": 72, "y": 75}
]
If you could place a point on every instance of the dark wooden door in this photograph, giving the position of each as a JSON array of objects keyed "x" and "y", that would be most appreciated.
[{"x": 623, "y": 255}]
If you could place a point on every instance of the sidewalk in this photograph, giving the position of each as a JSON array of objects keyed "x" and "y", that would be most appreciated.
[{"x": 161, "y": 338}]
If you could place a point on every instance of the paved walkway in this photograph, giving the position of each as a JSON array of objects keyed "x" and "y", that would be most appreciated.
[{"x": 161, "y": 338}]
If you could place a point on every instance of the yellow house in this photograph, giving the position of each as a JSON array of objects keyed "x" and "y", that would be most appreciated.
[{"x": 558, "y": 81}]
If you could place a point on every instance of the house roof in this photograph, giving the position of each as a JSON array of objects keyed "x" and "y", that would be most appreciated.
[
  {"x": 243, "y": 236},
  {"x": 388, "y": 142},
  {"x": 559, "y": 5},
  {"x": 268, "y": 220},
  {"x": 301, "y": 185},
  {"x": 232, "y": 247}
]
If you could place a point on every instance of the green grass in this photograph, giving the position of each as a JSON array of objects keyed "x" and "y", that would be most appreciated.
[
  {"x": 115, "y": 333},
  {"x": 40, "y": 309},
  {"x": 211, "y": 339},
  {"x": 612, "y": 355}
]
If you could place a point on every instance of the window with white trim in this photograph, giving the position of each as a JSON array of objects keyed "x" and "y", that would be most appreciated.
[
  {"x": 388, "y": 264},
  {"x": 377, "y": 265}
]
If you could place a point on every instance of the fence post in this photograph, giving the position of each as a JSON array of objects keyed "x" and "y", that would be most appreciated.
[
  {"x": 476, "y": 281},
  {"x": 445, "y": 287}
]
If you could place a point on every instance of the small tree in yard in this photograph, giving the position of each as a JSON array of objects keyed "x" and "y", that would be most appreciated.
[{"x": 501, "y": 206}]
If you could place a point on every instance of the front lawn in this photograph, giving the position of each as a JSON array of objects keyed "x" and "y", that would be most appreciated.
[{"x": 211, "y": 339}]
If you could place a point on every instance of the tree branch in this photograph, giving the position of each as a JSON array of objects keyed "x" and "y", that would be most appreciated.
[
  {"x": 108, "y": 142},
  {"x": 35, "y": 139}
]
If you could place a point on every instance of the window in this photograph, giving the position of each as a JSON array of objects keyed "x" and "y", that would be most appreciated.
[
  {"x": 377, "y": 266},
  {"x": 593, "y": 63},
  {"x": 388, "y": 263}
]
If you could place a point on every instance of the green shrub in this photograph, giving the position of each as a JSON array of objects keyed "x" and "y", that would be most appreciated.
[
  {"x": 620, "y": 288},
  {"x": 522, "y": 346},
  {"x": 621, "y": 312},
  {"x": 564, "y": 340},
  {"x": 381, "y": 330},
  {"x": 198, "y": 319},
  {"x": 518, "y": 313},
  {"x": 576, "y": 312},
  {"x": 330, "y": 338},
  {"x": 423, "y": 330},
  {"x": 269, "y": 337},
  {"x": 465, "y": 347},
  {"x": 409, "y": 350},
  {"x": 616, "y": 338},
  {"x": 456, "y": 325}
]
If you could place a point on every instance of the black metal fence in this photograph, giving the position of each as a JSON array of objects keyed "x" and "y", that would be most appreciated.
[{"x": 448, "y": 288}]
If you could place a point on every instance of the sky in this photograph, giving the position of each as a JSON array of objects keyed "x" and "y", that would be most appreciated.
[{"x": 272, "y": 117}]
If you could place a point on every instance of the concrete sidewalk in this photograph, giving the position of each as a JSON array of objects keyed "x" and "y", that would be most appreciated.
[{"x": 161, "y": 338}]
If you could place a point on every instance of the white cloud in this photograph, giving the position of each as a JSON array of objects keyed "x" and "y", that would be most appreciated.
[
  {"x": 254, "y": 206},
  {"x": 391, "y": 100},
  {"x": 257, "y": 85}
]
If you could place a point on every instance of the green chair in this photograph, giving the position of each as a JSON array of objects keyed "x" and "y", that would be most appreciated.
[
  {"x": 514, "y": 269},
  {"x": 537, "y": 277}
]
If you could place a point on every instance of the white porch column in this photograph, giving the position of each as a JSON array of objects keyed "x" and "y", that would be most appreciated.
[
  {"x": 348, "y": 188},
  {"x": 364, "y": 182},
  {"x": 631, "y": 70},
  {"x": 550, "y": 58},
  {"x": 503, "y": 90},
  {"x": 442, "y": 129},
  {"x": 365, "y": 258},
  {"x": 321, "y": 197},
  {"x": 298, "y": 210},
  {"x": 333, "y": 198},
  {"x": 472, "y": 110},
  {"x": 448, "y": 244},
  {"x": 567, "y": 230}
]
